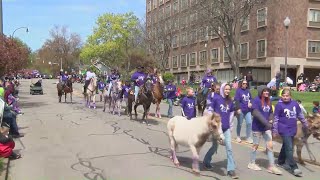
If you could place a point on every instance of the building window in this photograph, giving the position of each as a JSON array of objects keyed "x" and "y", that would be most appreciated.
[
  {"x": 225, "y": 54},
  {"x": 175, "y": 24},
  {"x": 167, "y": 25},
  {"x": 175, "y": 62},
  {"x": 193, "y": 36},
  {"x": 314, "y": 17},
  {"x": 155, "y": 4},
  {"x": 202, "y": 33},
  {"x": 193, "y": 2},
  {"x": 160, "y": 14},
  {"x": 167, "y": 64},
  {"x": 183, "y": 39},
  {"x": 161, "y": 2},
  {"x": 245, "y": 24},
  {"x": 184, "y": 4},
  {"x": 193, "y": 59},
  {"x": 193, "y": 18},
  {"x": 183, "y": 60},
  {"x": 214, "y": 56},
  {"x": 183, "y": 21},
  {"x": 175, "y": 7},
  {"x": 149, "y": 6},
  {"x": 262, "y": 17},
  {"x": 314, "y": 49},
  {"x": 175, "y": 41},
  {"x": 203, "y": 58},
  {"x": 168, "y": 10},
  {"x": 261, "y": 48},
  {"x": 244, "y": 51}
]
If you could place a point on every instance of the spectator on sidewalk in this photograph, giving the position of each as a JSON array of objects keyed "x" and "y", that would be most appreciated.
[
  {"x": 249, "y": 78},
  {"x": 316, "y": 108},
  {"x": 10, "y": 118},
  {"x": 7, "y": 144}
]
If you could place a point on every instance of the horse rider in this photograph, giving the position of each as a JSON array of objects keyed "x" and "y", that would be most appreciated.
[
  {"x": 207, "y": 81},
  {"x": 89, "y": 76},
  {"x": 63, "y": 78},
  {"x": 115, "y": 76},
  {"x": 153, "y": 76},
  {"x": 139, "y": 78}
]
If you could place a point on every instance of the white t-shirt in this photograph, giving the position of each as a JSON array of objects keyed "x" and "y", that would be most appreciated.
[{"x": 90, "y": 75}]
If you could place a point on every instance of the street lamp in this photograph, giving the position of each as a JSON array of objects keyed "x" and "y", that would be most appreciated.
[
  {"x": 27, "y": 30},
  {"x": 286, "y": 23}
]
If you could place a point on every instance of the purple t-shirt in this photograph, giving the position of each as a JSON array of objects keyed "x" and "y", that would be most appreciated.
[
  {"x": 101, "y": 85},
  {"x": 125, "y": 90},
  {"x": 188, "y": 105},
  {"x": 140, "y": 76},
  {"x": 266, "y": 110},
  {"x": 243, "y": 96},
  {"x": 171, "y": 91},
  {"x": 285, "y": 118},
  {"x": 208, "y": 80},
  {"x": 218, "y": 104}
]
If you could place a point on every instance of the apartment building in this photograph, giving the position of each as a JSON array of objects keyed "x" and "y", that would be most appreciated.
[{"x": 262, "y": 47}]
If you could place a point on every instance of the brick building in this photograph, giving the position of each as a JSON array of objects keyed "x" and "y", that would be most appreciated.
[{"x": 262, "y": 47}]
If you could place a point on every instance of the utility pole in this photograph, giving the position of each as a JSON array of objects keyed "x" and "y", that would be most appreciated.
[{"x": 1, "y": 19}]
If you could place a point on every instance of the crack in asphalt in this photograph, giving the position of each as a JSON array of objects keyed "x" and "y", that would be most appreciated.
[{"x": 91, "y": 173}]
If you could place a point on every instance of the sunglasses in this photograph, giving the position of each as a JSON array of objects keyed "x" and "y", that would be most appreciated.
[{"x": 244, "y": 83}]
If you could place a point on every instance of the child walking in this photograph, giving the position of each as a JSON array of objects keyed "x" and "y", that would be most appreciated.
[{"x": 188, "y": 105}]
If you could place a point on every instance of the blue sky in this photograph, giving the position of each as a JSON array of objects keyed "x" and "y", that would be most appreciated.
[{"x": 78, "y": 15}]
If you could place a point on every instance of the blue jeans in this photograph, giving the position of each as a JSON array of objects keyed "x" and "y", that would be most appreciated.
[
  {"x": 170, "y": 101},
  {"x": 267, "y": 136},
  {"x": 205, "y": 91},
  {"x": 248, "y": 119},
  {"x": 213, "y": 149},
  {"x": 136, "y": 91},
  {"x": 286, "y": 153},
  {"x": 109, "y": 88}
]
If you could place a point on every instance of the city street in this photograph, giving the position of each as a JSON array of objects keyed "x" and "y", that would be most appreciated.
[{"x": 71, "y": 142}]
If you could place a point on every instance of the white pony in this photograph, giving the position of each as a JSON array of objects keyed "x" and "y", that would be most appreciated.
[{"x": 90, "y": 94}]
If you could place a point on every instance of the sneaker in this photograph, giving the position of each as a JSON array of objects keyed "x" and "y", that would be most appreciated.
[
  {"x": 238, "y": 139},
  {"x": 249, "y": 140},
  {"x": 254, "y": 167},
  {"x": 208, "y": 166},
  {"x": 297, "y": 172},
  {"x": 233, "y": 175},
  {"x": 274, "y": 170}
]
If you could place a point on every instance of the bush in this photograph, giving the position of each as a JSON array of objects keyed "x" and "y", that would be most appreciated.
[{"x": 168, "y": 76}]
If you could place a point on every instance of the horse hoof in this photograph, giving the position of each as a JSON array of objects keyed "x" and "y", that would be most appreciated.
[{"x": 177, "y": 164}]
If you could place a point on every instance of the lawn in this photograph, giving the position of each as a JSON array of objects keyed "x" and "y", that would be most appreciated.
[{"x": 305, "y": 97}]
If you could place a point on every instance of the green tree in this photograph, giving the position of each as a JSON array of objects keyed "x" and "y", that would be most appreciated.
[{"x": 114, "y": 39}]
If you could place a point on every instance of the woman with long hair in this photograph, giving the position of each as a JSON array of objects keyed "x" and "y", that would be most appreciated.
[
  {"x": 261, "y": 127},
  {"x": 223, "y": 105}
]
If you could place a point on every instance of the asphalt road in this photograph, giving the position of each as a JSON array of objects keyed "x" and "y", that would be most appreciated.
[{"x": 70, "y": 142}]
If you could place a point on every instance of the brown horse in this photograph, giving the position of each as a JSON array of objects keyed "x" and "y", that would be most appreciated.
[
  {"x": 157, "y": 92},
  {"x": 67, "y": 88}
]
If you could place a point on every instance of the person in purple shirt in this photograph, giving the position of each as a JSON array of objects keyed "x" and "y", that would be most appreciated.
[
  {"x": 188, "y": 105},
  {"x": 139, "y": 78},
  {"x": 242, "y": 99},
  {"x": 114, "y": 76},
  {"x": 262, "y": 115},
  {"x": 170, "y": 91},
  {"x": 223, "y": 105},
  {"x": 286, "y": 113},
  {"x": 125, "y": 93},
  {"x": 101, "y": 86},
  {"x": 207, "y": 81}
]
